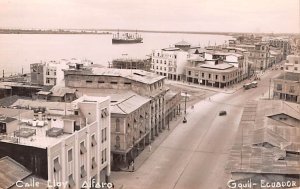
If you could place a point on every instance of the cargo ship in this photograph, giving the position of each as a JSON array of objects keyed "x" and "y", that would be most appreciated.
[{"x": 126, "y": 38}]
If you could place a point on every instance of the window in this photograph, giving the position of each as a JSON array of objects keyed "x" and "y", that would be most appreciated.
[
  {"x": 82, "y": 172},
  {"x": 71, "y": 181},
  {"x": 223, "y": 77},
  {"x": 100, "y": 81},
  {"x": 189, "y": 73},
  {"x": 295, "y": 68},
  {"x": 113, "y": 82},
  {"x": 117, "y": 125},
  {"x": 82, "y": 148},
  {"x": 103, "y": 156},
  {"x": 94, "y": 142},
  {"x": 165, "y": 62},
  {"x": 103, "y": 134},
  {"x": 279, "y": 87},
  {"x": 70, "y": 155},
  {"x": 89, "y": 81},
  {"x": 296, "y": 61},
  {"x": 209, "y": 75},
  {"x": 292, "y": 89},
  {"x": 56, "y": 164},
  {"x": 216, "y": 77},
  {"x": 203, "y": 75},
  {"x": 94, "y": 163},
  {"x": 127, "y": 83},
  {"x": 286, "y": 67}
]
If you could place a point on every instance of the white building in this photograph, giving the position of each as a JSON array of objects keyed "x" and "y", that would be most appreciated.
[
  {"x": 170, "y": 62},
  {"x": 292, "y": 64},
  {"x": 71, "y": 149},
  {"x": 50, "y": 73}
]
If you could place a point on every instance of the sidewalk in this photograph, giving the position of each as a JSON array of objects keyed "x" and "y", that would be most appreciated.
[{"x": 227, "y": 90}]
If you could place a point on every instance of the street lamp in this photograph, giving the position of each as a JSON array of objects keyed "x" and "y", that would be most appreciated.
[{"x": 184, "y": 119}]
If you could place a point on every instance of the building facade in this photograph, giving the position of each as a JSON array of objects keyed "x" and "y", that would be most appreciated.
[
  {"x": 130, "y": 63},
  {"x": 282, "y": 43},
  {"x": 143, "y": 83},
  {"x": 292, "y": 64},
  {"x": 214, "y": 73},
  {"x": 130, "y": 129},
  {"x": 259, "y": 55},
  {"x": 73, "y": 150},
  {"x": 287, "y": 87}
]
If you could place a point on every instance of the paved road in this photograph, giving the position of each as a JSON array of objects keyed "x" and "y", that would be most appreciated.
[{"x": 194, "y": 155}]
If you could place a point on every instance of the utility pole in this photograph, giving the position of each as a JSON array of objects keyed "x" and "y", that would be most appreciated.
[
  {"x": 270, "y": 89},
  {"x": 184, "y": 119}
]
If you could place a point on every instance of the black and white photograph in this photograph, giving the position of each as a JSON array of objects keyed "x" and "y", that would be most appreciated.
[{"x": 150, "y": 94}]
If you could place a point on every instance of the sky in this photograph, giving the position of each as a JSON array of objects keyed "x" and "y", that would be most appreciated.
[{"x": 277, "y": 16}]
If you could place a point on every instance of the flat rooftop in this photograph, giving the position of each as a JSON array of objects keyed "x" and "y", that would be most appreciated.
[
  {"x": 132, "y": 74},
  {"x": 290, "y": 76}
]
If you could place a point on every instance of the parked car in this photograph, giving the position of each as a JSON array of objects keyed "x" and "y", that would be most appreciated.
[{"x": 222, "y": 113}]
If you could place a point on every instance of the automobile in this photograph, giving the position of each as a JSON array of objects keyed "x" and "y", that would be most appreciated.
[
  {"x": 222, "y": 113},
  {"x": 184, "y": 120}
]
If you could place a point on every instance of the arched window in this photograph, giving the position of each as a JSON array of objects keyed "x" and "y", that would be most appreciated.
[{"x": 117, "y": 125}]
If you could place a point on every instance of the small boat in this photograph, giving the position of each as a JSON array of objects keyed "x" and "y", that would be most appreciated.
[{"x": 127, "y": 38}]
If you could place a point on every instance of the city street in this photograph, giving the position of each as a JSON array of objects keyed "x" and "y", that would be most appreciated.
[{"x": 194, "y": 155}]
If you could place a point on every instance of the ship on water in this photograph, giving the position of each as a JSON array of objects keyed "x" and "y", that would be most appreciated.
[{"x": 127, "y": 38}]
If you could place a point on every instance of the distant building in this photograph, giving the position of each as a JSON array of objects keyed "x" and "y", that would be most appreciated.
[
  {"x": 51, "y": 73},
  {"x": 287, "y": 87},
  {"x": 282, "y": 43},
  {"x": 214, "y": 73},
  {"x": 143, "y": 83},
  {"x": 170, "y": 62},
  {"x": 72, "y": 148},
  {"x": 130, "y": 63},
  {"x": 292, "y": 64},
  {"x": 259, "y": 55},
  {"x": 57, "y": 94}
]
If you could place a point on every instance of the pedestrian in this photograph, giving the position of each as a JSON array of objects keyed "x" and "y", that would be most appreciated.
[{"x": 150, "y": 147}]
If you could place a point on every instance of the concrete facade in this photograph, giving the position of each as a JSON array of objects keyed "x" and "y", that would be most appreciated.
[
  {"x": 287, "y": 87},
  {"x": 76, "y": 146}
]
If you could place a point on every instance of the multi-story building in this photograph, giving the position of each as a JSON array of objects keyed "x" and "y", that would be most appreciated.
[
  {"x": 143, "y": 83},
  {"x": 212, "y": 72},
  {"x": 130, "y": 127},
  {"x": 71, "y": 150},
  {"x": 282, "y": 43},
  {"x": 292, "y": 64},
  {"x": 170, "y": 62},
  {"x": 259, "y": 55},
  {"x": 51, "y": 73},
  {"x": 287, "y": 87},
  {"x": 131, "y": 63}
]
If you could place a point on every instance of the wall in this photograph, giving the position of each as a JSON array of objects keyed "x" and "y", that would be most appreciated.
[{"x": 34, "y": 159}]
